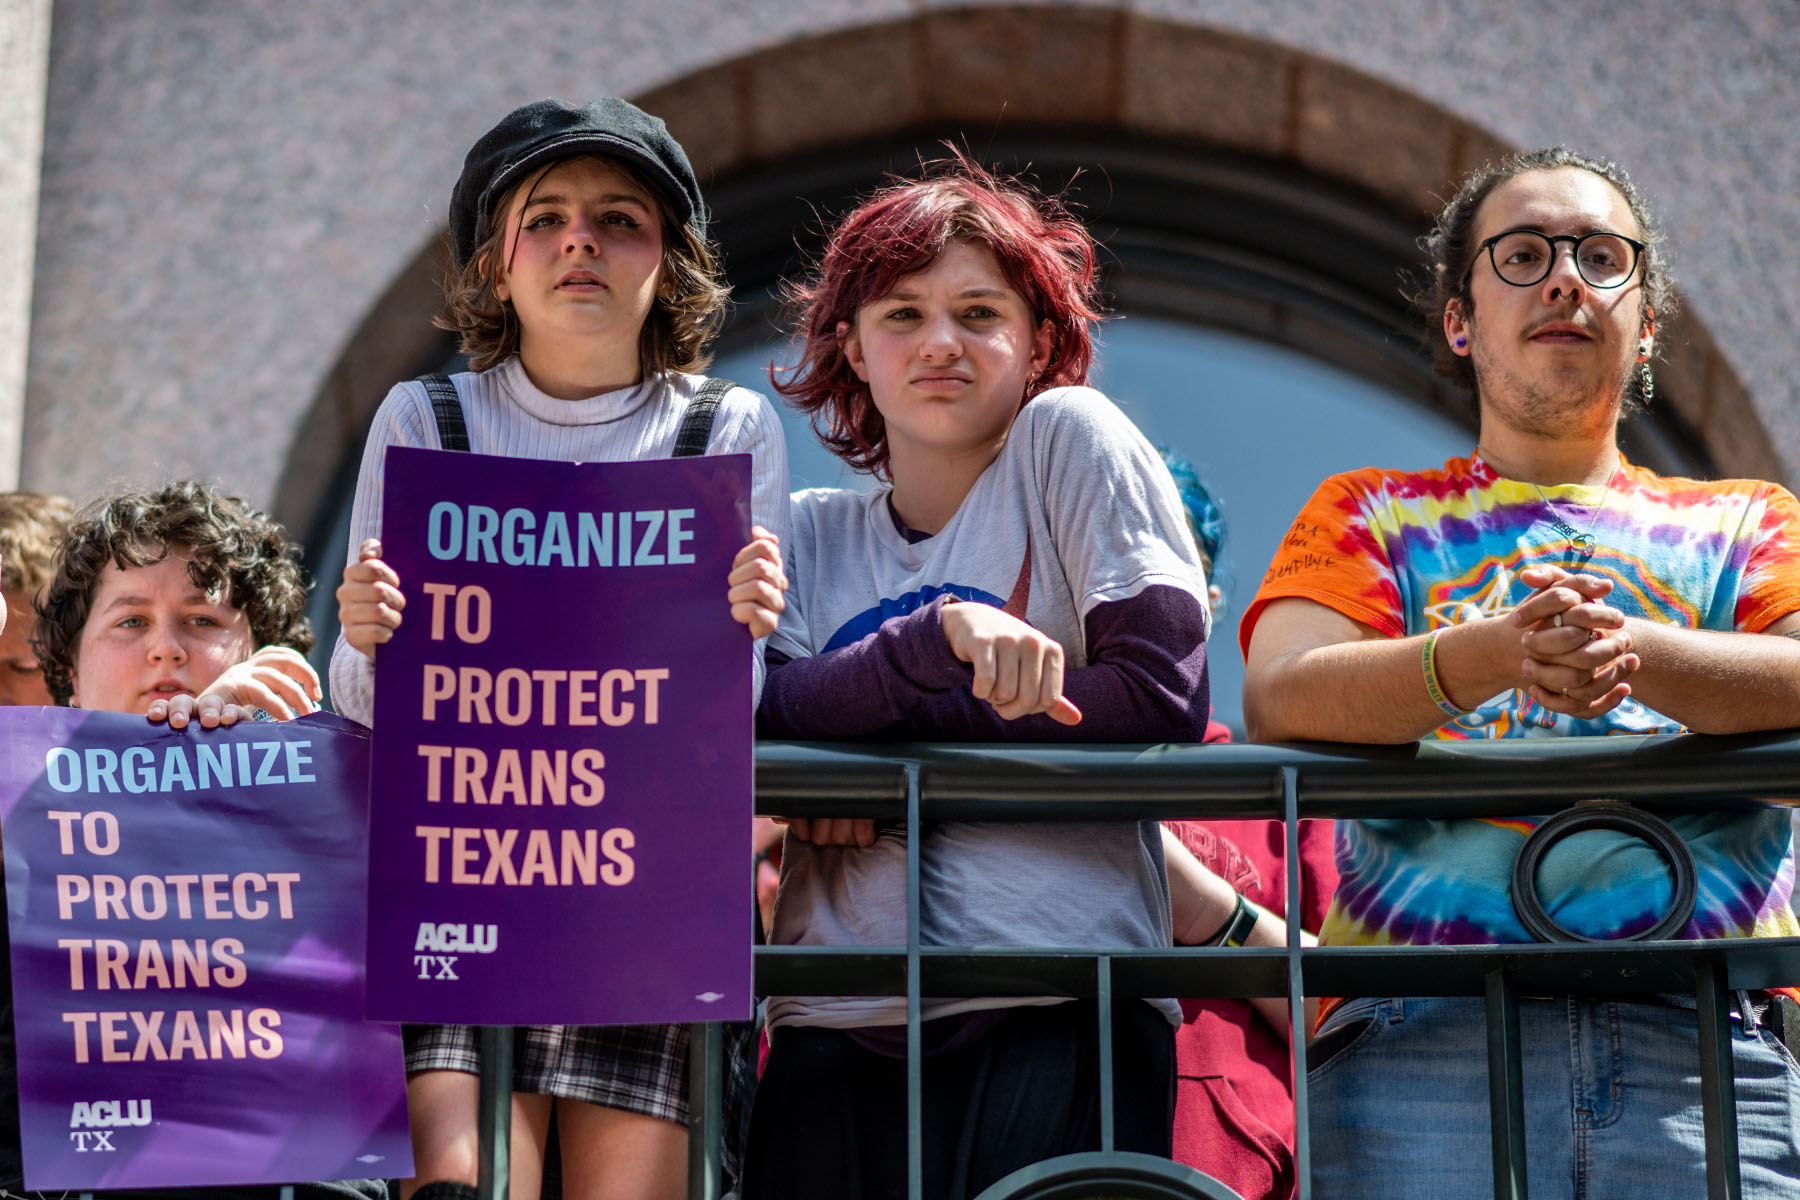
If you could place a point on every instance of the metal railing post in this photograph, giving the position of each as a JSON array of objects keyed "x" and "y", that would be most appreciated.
[
  {"x": 915, "y": 1051},
  {"x": 1103, "y": 1005},
  {"x": 1718, "y": 1090},
  {"x": 494, "y": 1146},
  {"x": 1297, "y": 1031},
  {"x": 706, "y": 1107},
  {"x": 1506, "y": 1085},
  {"x": 1444, "y": 780}
]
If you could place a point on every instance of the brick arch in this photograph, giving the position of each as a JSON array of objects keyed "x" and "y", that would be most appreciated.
[{"x": 976, "y": 70}]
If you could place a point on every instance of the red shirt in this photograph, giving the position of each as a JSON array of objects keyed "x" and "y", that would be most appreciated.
[{"x": 1234, "y": 1096}]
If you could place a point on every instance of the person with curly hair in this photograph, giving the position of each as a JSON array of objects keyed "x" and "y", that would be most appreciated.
[
  {"x": 31, "y": 532},
  {"x": 32, "y": 526},
  {"x": 185, "y": 605},
  {"x": 585, "y": 294},
  {"x": 181, "y": 604},
  {"x": 1541, "y": 586}
]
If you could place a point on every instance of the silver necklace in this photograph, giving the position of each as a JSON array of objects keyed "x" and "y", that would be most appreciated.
[{"x": 1580, "y": 545}]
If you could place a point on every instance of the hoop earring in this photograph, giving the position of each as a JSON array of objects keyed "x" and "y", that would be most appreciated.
[{"x": 1646, "y": 384}]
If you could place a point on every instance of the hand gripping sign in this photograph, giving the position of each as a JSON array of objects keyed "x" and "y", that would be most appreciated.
[
  {"x": 187, "y": 915},
  {"x": 562, "y": 766}
]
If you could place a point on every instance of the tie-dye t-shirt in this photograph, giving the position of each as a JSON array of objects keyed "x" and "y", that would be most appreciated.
[{"x": 1406, "y": 553}]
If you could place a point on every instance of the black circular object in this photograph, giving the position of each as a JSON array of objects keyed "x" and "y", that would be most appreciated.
[
  {"x": 1113, "y": 1174},
  {"x": 1619, "y": 817}
]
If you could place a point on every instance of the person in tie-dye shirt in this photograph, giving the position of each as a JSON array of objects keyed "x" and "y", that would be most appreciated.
[{"x": 1542, "y": 586}]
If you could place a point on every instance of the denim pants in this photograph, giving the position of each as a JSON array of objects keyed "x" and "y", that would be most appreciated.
[{"x": 1399, "y": 1103}]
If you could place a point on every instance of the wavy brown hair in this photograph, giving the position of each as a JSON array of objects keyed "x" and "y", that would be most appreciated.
[
  {"x": 32, "y": 526},
  {"x": 237, "y": 551},
  {"x": 689, "y": 306}
]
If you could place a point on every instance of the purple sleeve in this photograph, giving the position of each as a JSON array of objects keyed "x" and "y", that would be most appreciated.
[{"x": 1146, "y": 682}]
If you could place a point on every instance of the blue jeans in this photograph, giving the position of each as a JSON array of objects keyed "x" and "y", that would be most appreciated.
[{"x": 1399, "y": 1105}]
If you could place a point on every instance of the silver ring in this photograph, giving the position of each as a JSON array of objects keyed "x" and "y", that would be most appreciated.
[{"x": 1557, "y": 620}]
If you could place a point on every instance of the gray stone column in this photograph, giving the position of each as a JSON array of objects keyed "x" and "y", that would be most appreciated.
[{"x": 24, "y": 65}]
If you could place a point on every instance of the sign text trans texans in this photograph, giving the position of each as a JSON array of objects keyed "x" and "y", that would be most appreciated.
[
  {"x": 562, "y": 764},
  {"x": 187, "y": 917}
]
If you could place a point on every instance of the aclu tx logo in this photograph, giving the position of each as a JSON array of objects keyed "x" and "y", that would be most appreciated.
[
  {"x": 440, "y": 943},
  {"x": 93, "y": 1122}
]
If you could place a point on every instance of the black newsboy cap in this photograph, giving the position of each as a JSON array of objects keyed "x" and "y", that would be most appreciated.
[{"x": 547, "y": 130}]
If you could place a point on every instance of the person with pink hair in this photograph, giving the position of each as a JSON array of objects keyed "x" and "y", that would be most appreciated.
[{"x": 1024, "y": 574}]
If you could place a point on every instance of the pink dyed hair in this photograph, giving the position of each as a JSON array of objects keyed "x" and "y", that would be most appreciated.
[{"x": 1046, "y": 255}]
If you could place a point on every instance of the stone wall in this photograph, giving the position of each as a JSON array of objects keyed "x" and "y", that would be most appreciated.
[{"x": 238, "y": 206}]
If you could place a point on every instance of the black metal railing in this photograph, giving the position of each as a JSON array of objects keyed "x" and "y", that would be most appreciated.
[{"x": 916, "y": 783}]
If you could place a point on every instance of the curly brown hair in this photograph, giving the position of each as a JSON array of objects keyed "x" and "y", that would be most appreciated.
[
  {"x": 689, "y": 307},
  {"x": 236, "y": 550},
  {"x": 1450, "y": 247},
  {"x": 32, "y": 527}
]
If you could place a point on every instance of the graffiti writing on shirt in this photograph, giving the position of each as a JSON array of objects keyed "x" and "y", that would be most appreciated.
[
  {"x": 1300, "y": 556},
  {"x": 1301, "y": 534}
]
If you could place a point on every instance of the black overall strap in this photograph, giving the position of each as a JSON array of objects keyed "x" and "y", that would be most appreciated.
[
  {"x": 452, "y": 433},
  {"x": 697, "y": 422}
]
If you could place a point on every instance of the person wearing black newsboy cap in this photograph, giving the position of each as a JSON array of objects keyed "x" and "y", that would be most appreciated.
[
  {"x": 545, "y": 131},
  {"x": 584, "y": 293}
]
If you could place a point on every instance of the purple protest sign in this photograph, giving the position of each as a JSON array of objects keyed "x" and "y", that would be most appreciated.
[
  {"x": 562, "y": 766},
  {"x": 187, "y": 917}
]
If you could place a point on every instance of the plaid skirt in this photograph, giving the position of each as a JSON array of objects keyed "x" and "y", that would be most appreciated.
[{"x": 637, "y": 1068}]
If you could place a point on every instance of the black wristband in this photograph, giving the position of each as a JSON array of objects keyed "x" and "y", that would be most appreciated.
[
  {"x": 1237, "y": 929},
  {"x": 1237, "y": 926}
]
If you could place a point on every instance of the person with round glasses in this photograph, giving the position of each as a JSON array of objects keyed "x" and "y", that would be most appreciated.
[
  {"x": 1541, "y": 586},
  {"x": 1525, "y": 257}
]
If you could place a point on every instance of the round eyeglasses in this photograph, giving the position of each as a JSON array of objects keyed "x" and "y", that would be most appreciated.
[{"x": 1524, "y": 257}]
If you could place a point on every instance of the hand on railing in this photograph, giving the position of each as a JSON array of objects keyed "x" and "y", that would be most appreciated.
[{"x": 832, "y": 831}]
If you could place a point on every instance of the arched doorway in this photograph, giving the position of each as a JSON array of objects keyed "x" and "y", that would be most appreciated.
[{"x": 1256, "y": 223}]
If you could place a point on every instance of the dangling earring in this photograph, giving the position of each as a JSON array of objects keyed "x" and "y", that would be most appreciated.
[{"x": 1646, "y": 384}]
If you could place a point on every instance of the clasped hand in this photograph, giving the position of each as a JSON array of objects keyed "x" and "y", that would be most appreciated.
[{"x": 1577, "y": 650}]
